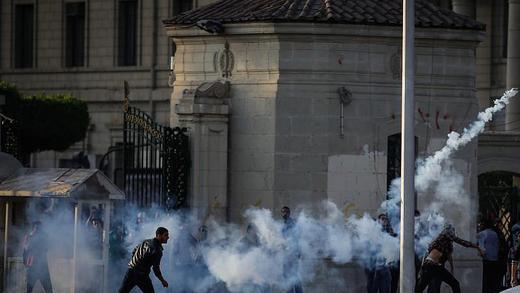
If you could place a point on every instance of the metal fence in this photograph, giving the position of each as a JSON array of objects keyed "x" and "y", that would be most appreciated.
[
  {"x": 10, "y": 136},
  {"x": 156, "y": 161}
]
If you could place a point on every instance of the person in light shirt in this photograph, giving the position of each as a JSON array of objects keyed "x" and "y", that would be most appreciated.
[{"x": 489, "y": 242}]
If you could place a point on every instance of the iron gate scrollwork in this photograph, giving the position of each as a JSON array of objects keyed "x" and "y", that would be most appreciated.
[
  {"x": 10, "y": 136},
  {"x": 156, "y": 161},
  {"x": 498, "y": 204},
  {"x": 498, "y": 201},
  {"x": 176, "y": 158}
]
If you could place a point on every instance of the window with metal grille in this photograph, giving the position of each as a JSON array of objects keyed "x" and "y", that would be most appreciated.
[
  {"x": 74, "y": 34},
  {"x": 499, "y": 201},
  {"x": 127, "y": 43},
  {"x": 23, "y": 36}
]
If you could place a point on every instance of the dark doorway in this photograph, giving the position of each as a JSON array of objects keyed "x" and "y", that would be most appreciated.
[
  {"x": 498, "y": 200},
  {"x": 393, "y": 163},
  {"x": 498, "y": 205}
]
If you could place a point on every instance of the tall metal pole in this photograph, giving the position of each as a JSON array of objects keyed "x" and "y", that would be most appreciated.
[
  {"x": 75, "y": 249},
  {"x": 407, "y": 252},
  {"x": 6, "y": 243}
]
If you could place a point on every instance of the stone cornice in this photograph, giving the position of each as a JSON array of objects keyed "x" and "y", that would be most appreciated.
[
  {"x": 323, "y": 29},
  {"x": 499, "y": 138}
]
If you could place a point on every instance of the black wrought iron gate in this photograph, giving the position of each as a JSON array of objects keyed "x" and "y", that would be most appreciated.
[
  {"x": 10, "y": 136},
  {"x": 498, "y": 201},
  {"x": 156, "y": 160}
]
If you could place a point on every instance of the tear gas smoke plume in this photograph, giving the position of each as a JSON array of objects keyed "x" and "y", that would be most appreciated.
[
  {"x": 437, "y": 174},
  {"x": 272, "y": 254},
  {"x": 430, "y": 170}
]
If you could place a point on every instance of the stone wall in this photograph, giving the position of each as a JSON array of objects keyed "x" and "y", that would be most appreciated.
[
  {"x": 251, "y": 123},
  {"x": 498, "y": 151},
  {"x": 285, "y": 140}
]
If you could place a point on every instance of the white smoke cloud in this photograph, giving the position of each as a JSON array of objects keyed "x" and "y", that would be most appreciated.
[
  {"x": 333, "y": 235},
  {"x": 277, "y": 260},
  {"x": 429, "y": 170}
]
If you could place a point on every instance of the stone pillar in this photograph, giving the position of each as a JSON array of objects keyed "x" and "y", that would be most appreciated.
[
  {"x": 205, "y": 112},
  {"x": 513, "y": 65},
  {"x": 464, "y": 7}
]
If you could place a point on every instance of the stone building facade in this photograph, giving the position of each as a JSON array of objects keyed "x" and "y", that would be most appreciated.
[
  {"x": 313, "y": 111},
  {"x": 88, "y": 48},
  {"x": 313, "y": 108}
]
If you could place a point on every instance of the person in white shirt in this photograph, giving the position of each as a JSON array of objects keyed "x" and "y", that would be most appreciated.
[{"x": 489, "y": 242}]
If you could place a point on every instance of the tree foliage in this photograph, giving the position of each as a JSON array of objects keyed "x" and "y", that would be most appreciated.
[{"x": 47, "y": 122}]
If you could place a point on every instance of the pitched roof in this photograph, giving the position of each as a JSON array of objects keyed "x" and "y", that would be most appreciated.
[
  {"x": 375, "y": 12},
  {"x": 61, "y": 183}
]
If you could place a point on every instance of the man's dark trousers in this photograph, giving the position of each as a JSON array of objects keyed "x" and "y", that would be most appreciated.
[
  {"x": 39, "y": 272},
  {"x": 431, "y": 271},
  {"x": 490, "y": 276},
  {"x": 136, "y": 278}
]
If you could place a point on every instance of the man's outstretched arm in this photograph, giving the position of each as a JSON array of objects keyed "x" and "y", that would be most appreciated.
[{"x": 157, "y": 271}]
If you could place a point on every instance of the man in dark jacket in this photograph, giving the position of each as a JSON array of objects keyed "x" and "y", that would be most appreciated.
[
  {"x": 35, "y": 258},
  {"x": 145, "y": 256}
]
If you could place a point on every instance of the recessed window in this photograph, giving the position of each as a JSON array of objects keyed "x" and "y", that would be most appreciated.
[
  {"x": 75, "y": 34},
  {"x": 127, "y": 45},
  {"x": 23, "y": 38},
  {"x": 393, "y": 163},
  {"x": 505, "y": 28}
]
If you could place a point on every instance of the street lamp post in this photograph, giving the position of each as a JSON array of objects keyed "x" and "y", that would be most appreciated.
[{"x": 407, "y": 249}]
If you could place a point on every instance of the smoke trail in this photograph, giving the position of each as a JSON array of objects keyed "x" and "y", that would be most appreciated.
[
  {"x": 430, "y": 170},
  {"x": 439, "y": 176}
]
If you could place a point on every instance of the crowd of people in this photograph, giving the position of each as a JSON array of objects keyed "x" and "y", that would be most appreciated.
[{"x": 500, "y": 261}]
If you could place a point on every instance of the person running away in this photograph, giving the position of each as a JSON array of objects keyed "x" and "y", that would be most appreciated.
[{"x": 145, "y": 256}]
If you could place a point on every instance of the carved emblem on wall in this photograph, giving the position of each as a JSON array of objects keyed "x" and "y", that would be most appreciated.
[
  {"x": 224, "y": 61},
  {"x": 395, "y": 65}
]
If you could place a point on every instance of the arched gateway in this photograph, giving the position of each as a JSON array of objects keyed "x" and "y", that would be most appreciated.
[{"x": 498, "y": 186}]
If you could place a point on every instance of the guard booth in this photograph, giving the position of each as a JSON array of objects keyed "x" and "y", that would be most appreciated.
[{"x": 75, "y": 207}]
